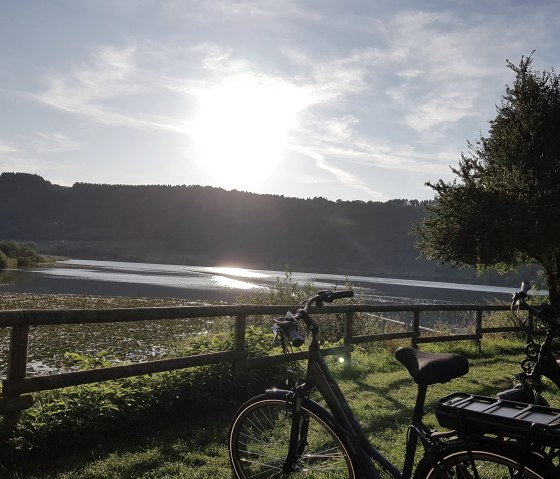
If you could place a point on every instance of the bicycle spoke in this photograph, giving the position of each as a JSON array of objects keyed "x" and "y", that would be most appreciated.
[{"x": 262, "y": 439}]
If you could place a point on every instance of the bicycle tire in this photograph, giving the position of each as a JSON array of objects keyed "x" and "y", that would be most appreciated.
[
  {"x": 259, "y": 438},
  {"x": 485, "y": 462}
]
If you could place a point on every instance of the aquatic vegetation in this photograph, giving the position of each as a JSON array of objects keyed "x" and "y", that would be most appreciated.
[{"x": 50, "y": 347}]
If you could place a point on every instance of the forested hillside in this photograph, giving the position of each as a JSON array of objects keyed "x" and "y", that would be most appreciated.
[{"x": 210, "y": 226}]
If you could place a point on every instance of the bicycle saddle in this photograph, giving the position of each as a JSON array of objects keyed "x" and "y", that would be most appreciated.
[{"x": 431, "y": 368}]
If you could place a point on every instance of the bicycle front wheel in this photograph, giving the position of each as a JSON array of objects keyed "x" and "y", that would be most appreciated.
[
  {"x": 260, "y": 435},
  {"x": 485, "y": 462}
]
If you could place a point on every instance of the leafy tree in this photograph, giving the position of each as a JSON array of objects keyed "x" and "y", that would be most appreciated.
[
  {"x": 6, "y": 262},
  {"x": 13, "y": 254},
  {"x": 502, "y": 208}
]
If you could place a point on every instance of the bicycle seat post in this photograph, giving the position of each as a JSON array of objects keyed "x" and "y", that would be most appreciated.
[
  {"x": 412, "y": 436},
  {"x": 425, "y": 369}
]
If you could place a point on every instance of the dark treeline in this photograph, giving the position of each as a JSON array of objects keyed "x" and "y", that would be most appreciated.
[{"x": 211, "y": 226}]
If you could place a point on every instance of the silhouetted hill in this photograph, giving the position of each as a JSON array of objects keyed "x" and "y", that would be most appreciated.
[{"x": 211, "y": 226}]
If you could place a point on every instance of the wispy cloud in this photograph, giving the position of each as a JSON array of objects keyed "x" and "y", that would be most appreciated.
[
  {"x": 444, "y": 66},
  {"x": 347, "y": 179},
  {"x": 96, "y": 91},
  {"x": 255, "y": 8},
  {"x": 440, "y": 108}
]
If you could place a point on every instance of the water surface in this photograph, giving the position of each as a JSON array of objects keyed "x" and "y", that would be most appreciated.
[{"x": 112, "y": 278}]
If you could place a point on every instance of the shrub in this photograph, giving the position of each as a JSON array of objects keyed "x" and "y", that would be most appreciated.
[
  {"x": 18, "y": 254},
  {"x": 6, "y": 262}
]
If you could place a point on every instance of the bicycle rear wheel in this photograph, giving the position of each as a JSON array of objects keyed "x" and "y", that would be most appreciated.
[
  {"x": 260, "y": 435},
  {"x": 485, "y": 462}
]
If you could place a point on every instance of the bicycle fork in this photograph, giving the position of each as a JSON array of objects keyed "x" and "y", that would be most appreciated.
[{"x": 298, "y": 435}]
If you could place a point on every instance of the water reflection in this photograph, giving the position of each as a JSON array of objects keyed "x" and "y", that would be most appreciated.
[
  {"x": 225, "y": 282},
  {"x": 188, "y": 280},
  {"x": 112, "y": 278},
  {"x": 241, "y": 272}
]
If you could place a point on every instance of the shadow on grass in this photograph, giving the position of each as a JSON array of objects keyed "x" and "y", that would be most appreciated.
[
  {"x": 183, "y": 438},
  {"x": 185, "y": 432}
]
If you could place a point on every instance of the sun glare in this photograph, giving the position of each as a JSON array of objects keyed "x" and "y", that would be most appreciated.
[{"x": 241, "y": 128}]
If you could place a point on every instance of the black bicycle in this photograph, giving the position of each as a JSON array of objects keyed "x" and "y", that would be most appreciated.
[
  {"x": 541, "y": 358},
  {"x": 285, "y": 433}
]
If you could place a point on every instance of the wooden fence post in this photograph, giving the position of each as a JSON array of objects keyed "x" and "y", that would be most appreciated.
[
  {"x": 478, "y": 330},
  {"x": 415, "y": 328},
  {"x": 348, "y": 333},
  {"x": 17, "y": 369},
  {"x": 239, "y": 345}
]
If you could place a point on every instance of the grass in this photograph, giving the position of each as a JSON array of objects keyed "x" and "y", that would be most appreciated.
[
  {"x": 189, "y": 440},
  {"x": 174, "y": 425}
]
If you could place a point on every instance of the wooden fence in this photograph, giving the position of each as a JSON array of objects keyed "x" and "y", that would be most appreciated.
[{"x": 17, "y": 387}]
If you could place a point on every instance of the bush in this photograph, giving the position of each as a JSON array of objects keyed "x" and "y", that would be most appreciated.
[
  {"x": 13, "y": 254},
  {"x": 6, "y": 262},
  {"x": 287, "y": 291}
]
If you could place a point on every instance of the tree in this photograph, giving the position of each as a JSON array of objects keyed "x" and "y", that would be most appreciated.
[
  {"x": 13, "y": 254},
  {"x": 502, "y": 208}
]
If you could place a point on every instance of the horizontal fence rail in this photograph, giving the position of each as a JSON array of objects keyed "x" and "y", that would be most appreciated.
[{"x": 17, "y": 387}]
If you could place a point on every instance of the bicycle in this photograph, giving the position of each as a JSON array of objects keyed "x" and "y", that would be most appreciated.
[
  {"x": 285, "y": 433},
  {"x": 541, "y": 360}
]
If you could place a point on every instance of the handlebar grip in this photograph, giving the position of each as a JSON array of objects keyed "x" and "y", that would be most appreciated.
[
  {"x": 342, "y": 294},
  {"x": 520, "y": 296},
  {"x": 330, "y": 296}
]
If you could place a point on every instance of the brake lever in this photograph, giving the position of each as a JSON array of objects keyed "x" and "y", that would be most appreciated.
[{"x": 277, "y": 330}]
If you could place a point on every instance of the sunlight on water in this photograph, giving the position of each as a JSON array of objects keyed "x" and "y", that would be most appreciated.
[
  {"x": 174, "y": 281},
  {"x": 225, "y": 282},
  {"x": 241, "y": 272},
  {"x": 221, "y": 283}
]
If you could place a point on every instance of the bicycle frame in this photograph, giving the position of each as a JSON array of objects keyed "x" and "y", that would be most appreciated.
[
  {"x": 540, "y": 359},
  {"x": 545, "y": 365},
  {"x": 320, "y": 378},
  {"x": 454, "y": 453}
]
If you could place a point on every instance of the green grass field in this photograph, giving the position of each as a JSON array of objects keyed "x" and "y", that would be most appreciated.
[{"x": 189, "y": 438}]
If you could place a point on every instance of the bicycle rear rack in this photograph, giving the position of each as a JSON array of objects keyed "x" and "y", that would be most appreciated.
[{"x": 472, "y": 414}]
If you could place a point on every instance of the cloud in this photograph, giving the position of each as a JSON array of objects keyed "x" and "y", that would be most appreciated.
[
  {"x": 381, "y": 87},
  {"x": 347, "y": 179},
  {"x": 94, "y": 90},
  {"x": 440, "y": 108},
  {"x": 254, "y": 8}
]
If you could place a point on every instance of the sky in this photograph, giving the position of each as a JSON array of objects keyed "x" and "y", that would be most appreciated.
[{"x": 352, "y": 100}]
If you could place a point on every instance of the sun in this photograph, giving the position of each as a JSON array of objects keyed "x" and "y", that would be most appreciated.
[{"x": 241, "y": 128}]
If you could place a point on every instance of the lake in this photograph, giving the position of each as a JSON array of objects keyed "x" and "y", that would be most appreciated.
[
  {"x": 144, "y": 341},
  {"x": 198, "y": 283}
]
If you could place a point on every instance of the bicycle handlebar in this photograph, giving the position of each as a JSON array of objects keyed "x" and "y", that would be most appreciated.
[
  {"x": 289, "y": 325},
  {"x": 520, "y": 299},
  {"x": 546, "y": 313},
  {"x": 326, "y": 297}
]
